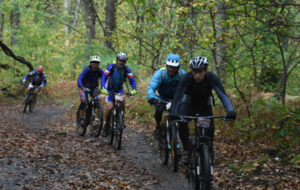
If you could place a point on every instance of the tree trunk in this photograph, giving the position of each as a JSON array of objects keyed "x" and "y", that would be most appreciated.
[
  {"x": 1, "y": 23},
  {"x": 90, "y": 23},
  {"x": 76, "y": 14},
  {"x": 66, "y": 15},
  {"x": 15, "y": 24},
  {"x": 110, "y": 25},
  {"x": 220, "y": 47}
]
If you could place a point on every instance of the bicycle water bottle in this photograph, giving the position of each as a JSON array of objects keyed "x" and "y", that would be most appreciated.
[{"x": 168, "y": 139}]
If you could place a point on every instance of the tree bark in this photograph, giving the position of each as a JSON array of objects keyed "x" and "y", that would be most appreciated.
[
  {"x": 76, "y": 14},
  {"x": 66, "y": 14},
  {"x": 220, "y": 47},
  {"x": 1, "y": 23},
  {"x": 15, "y": 24},
  {"x": 110, "y": 22},
  {"x": 90, "y": 20}
]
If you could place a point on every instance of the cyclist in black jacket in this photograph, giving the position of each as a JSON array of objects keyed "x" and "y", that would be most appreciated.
[{"x": 193, "y": 96}]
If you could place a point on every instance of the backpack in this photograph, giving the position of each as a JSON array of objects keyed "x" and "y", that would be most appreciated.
[
  {"x": 113, "y": 70},
  {"x": 163, "y": 74}
]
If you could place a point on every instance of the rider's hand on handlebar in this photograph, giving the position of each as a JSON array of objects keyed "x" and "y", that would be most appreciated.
[
  {"x": 153, "y": 101},
  {"x": 39, "y": 87},
  {"x": 133, "y": 92},
  {"x": 174, "y": 115},
  {"x": 23, "y": 82},
  {"x": 104, "y": 91},
  {"x": 231, "y": 115}
]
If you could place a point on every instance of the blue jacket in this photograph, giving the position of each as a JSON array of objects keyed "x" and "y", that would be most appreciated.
[
  {"x": 117, "y": 79},
  {"x": 34, "y": 75},
  {"x": 165, "y": 89},
  {"x": 89, "y": 78}
]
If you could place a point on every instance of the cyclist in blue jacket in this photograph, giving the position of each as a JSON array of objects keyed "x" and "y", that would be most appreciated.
[
  {"x": 112, "y": 81},
  {"x": 165, "y": 82},
  {"x": 38, "y": 79},
  {"x": 87, "y": 82}
]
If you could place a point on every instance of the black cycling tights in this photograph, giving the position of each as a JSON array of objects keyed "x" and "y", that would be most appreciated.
[
  {"x": 159, "y": 109},
  {"x": 183, "y": 128}
]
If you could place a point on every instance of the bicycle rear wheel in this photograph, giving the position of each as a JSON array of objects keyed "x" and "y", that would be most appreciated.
[
  {"x": 119, "y": 131},
  {"x": 80, "y": 129},
  {"x": 163, "y": 145},
  {"x": 96, "y": 122},
  {"x": 205, "y": 167},
  {"x": 173, "y": 133}
]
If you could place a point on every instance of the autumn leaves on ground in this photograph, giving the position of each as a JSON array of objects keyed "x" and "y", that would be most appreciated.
[{"x": 42, "y": 150}]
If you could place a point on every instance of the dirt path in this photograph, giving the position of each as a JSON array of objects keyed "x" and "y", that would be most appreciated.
[{"x": 52, "y": 158}]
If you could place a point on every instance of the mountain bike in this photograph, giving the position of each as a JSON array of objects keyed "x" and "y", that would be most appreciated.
[
  {"x": 115, "y": 130},
  {"x": 169, "y": 138},
  {"x": 29, "y": 99},
  {"x": 199, "y": 169},
  {"x": 93, "y": 114}
]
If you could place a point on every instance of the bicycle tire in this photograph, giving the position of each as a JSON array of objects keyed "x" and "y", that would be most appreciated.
[
  {"x": 26, "y": 102},
  {"x": 119, "y": 132},
  {"x": 110, "y": 138},
  {"x": 81, "y": 130},
  {"x": 30, "y": 103},
  {"x": 163, "y": 145},
  {"x": 205, "y": 168},
  {"x": 193, "y": 178},
  {"x": 96, "y": 128},
  {"x": 174, "y": 149}
]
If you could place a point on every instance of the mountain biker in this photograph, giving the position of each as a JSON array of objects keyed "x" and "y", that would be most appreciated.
[
  {"x": 164, "y": 82},
  {"x": 38, "y": 79},
  {"x": 112, "y": 81},
  {"x": 197, "y": 85},
  {"x": 87, "y": 82}
]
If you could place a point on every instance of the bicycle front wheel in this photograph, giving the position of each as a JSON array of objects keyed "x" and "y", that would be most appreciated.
[
  {"x": 205, "y": 167},
  {"x": 26, "y": 102},
  {"x": 194, "y": 183},
  {"x": 174, "y": 149},
  {"x": 80, "y": 129},
  {"x": 30, "y": 103},
  {"x": 97, "y": 121},
  {"x": 119, "y": 131},
  {"x": 111, "y": 131},
  {"x": 163, "y": 145}
]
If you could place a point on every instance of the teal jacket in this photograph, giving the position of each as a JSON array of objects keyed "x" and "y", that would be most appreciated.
[{"x": 166, "y": 89}]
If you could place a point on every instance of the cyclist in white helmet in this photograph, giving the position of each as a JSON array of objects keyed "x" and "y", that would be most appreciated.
[
  {"x": 164, "y": 82},
  {"x": 88, "y": 80},
  {"x": 197, "y": 85}
]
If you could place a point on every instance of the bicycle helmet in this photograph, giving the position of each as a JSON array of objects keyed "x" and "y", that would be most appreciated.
[
  {"x": 173, "y": 60},
  {"x": 198, "y": 63},
  {"x": 40, "y": 68},
  {"x": 95, "y": 58},
  {"x": 122, "y": 56}
]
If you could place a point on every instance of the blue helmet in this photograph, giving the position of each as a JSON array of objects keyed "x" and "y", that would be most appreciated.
[{"x": 173, "y": 60}]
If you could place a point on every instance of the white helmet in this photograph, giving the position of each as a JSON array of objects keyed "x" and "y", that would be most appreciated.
[
  {"x": 173, "y": 60},
  {"x": 95, "y": 58},
  {"x": 122, "y": 56},
  {"x": 198, "y": 63}
]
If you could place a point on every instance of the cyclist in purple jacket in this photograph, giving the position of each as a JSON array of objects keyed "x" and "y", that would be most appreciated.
[{"x": 87, "y": 82}]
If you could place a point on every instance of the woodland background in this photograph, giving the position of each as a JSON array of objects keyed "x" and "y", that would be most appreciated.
[{"x": 251, "y": 45}]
